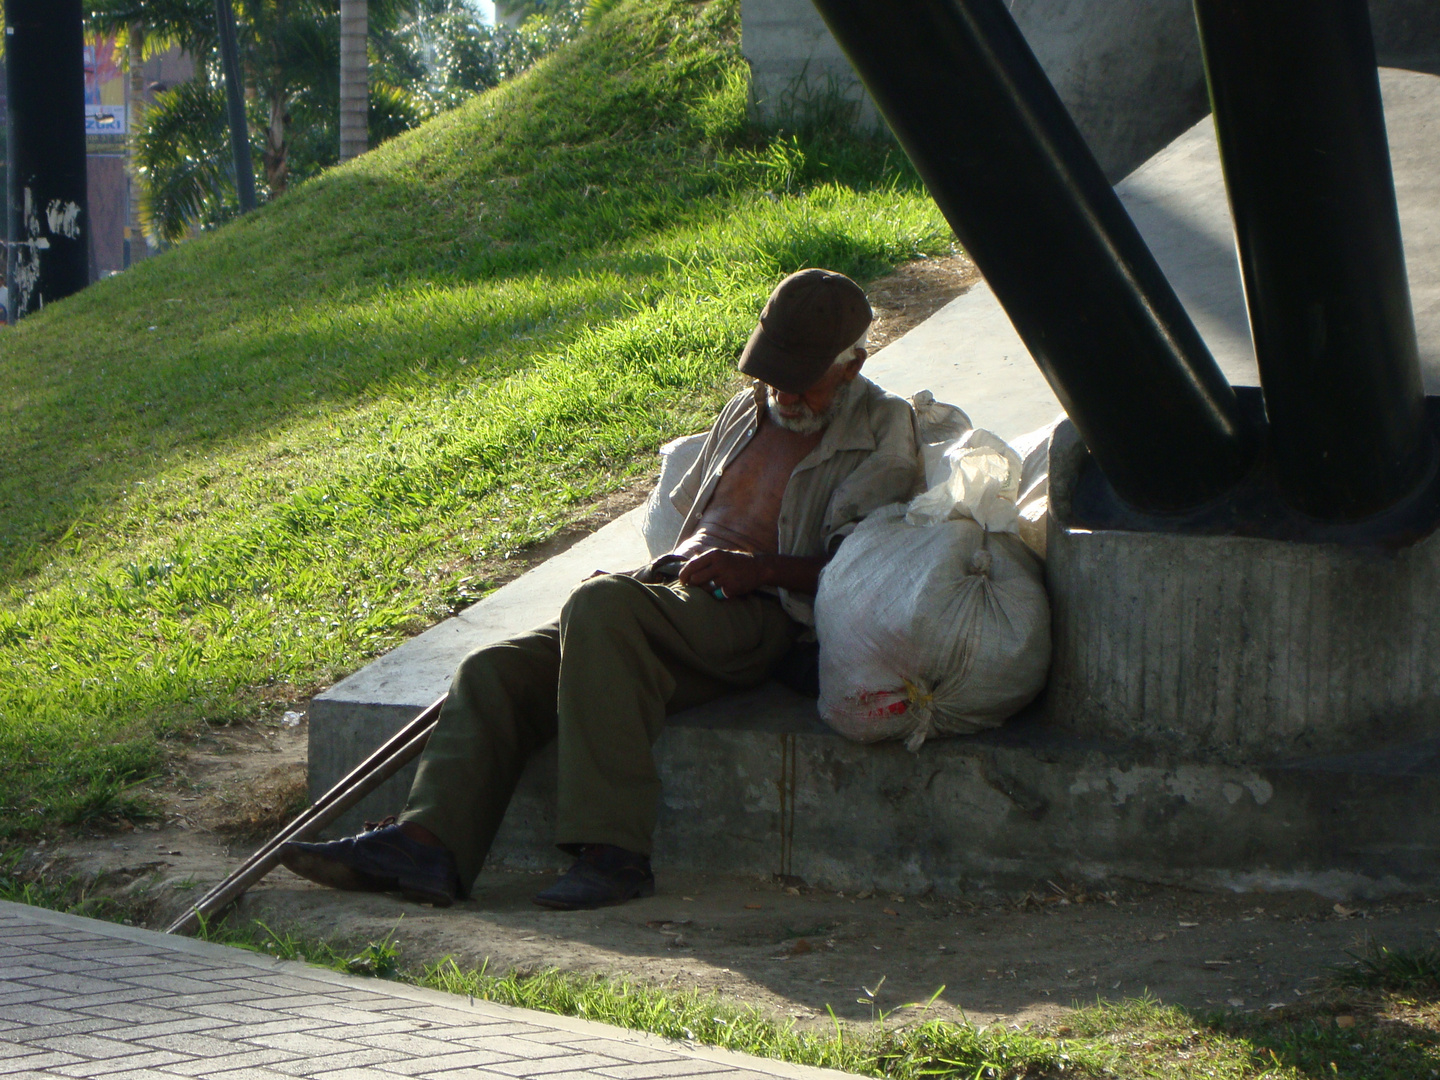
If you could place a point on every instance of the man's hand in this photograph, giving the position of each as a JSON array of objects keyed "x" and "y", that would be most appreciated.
[
  {"x": 726, "y": 573},
  {"x": 730, "y": 574}
]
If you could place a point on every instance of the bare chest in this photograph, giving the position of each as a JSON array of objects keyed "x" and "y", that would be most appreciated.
[{"x": 747, "y": 499}]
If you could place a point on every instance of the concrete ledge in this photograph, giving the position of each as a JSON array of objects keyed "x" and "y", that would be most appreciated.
[
  {"x": 1014, "y": 806},
  {"x": 1028, "y": 802},
  {"x": 756, "y": 784}
]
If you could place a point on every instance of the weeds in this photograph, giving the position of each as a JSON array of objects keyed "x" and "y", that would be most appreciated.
[
  {"x": 68, "y": 894},
  {"x": 1136, "y": 1038},
  {"x": 1376, "y": 967},
  {"x": 379, "y": 959},
  {"x": 903, "y": 1052}
]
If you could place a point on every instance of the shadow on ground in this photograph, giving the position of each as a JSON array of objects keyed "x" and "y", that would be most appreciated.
[{"x": 801, "y": 953}]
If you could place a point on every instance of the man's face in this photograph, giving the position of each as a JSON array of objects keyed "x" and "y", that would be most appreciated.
[{"x": 813, "y": 410}]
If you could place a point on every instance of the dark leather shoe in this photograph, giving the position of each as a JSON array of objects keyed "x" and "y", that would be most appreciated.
[
  {"x": 602, "y": 875},
  {"x": 381, "y": 860}
]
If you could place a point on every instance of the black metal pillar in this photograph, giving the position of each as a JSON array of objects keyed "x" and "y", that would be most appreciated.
[
  {"x": 235, "y": 106},
  {"x": 1302, "y": 139},
  {"x": 48, "y": 219},
  {"x": 972, "y": 107}
]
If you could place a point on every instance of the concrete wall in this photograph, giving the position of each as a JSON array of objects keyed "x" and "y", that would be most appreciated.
[
  {"x": 1242, "y": 639},
  {"x": 793, "y": 58},
  {"x": 1128, "y": 70}
]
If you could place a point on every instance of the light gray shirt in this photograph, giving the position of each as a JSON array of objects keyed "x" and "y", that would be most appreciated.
[{"x": 867, "y": 458}]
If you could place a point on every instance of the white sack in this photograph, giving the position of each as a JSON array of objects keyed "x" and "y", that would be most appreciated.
[
  {"x": 937, "y": 425},
  {"x": 979, "y": 478},
  {"x": 929, "y": 629},
  {"x": 1034, "y": 507},
  {"x": 660, "y": 524},
  {"x": 933, "y": 617},
  {"x": 1006, "y": 488}
]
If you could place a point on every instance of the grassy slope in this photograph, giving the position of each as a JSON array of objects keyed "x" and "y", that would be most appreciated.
[{"x": 243, "y": 468}]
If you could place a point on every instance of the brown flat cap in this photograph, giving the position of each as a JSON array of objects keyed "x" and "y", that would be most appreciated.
[{"x": 809, "y": 320}]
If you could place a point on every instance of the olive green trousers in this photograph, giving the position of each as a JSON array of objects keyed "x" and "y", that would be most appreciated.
[{"x": 601, "y": 681}]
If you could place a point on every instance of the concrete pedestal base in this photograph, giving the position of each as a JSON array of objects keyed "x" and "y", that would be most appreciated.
[
  {"x": 756, "y": 784},
  {"x": 1243, "y": 648}
]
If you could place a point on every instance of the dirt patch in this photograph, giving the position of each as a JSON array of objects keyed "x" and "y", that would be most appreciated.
[
  {"x": 799, "y": 953},
  {"x": 791, "y": 950},
  {"x": 915, "y": 291}
]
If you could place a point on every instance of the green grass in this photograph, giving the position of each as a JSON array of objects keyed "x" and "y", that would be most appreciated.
[
  {"x": 884, "y": 1049},
  {"x": 1393, "y": 1037},
  {"x": 240, "y": 470},
  {"x": 69, "y": 894},
  {"x": 1378, "y": 968}
]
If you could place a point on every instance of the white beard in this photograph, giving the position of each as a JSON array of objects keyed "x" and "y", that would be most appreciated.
[{"x": 805, "y": 420}]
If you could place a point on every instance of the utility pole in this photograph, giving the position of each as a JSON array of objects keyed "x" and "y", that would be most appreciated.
[
  {"x": 135, "y": 105},
  {"x": 235, "y": 99},
  {"x": 48, "y": 219},
  {"x": 354, "y": 78}
]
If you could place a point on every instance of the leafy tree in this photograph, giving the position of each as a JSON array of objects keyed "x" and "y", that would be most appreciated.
[
  {"x": 180, "y": 160},
  {"x": 443, "y": 51},
  {"x": 425, "y": 55}
]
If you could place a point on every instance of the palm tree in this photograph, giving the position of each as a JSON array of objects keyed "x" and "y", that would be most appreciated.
[
  {"x": 294, "y": 49},
  {"x": 286, "y": 47}
]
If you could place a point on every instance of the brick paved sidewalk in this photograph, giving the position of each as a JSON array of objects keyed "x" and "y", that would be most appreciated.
[{"x": 83, "y": 998}]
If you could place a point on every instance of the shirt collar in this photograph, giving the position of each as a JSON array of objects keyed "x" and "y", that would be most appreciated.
[{"x": 848, "y": 431}]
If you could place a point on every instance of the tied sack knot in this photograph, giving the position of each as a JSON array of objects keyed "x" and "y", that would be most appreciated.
[
  {"x": 920, "y": 705},
  {"x": 980, "y": 563}
]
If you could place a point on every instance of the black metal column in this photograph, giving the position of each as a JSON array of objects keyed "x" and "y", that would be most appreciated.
[
  {"x": 1307, "y": 166},
  {"x": 48, "y": 220},
  {"x": 1002, "y": 158}
]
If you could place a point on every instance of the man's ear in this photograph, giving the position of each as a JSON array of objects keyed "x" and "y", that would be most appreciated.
[{"x": 852, "y": 367}]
